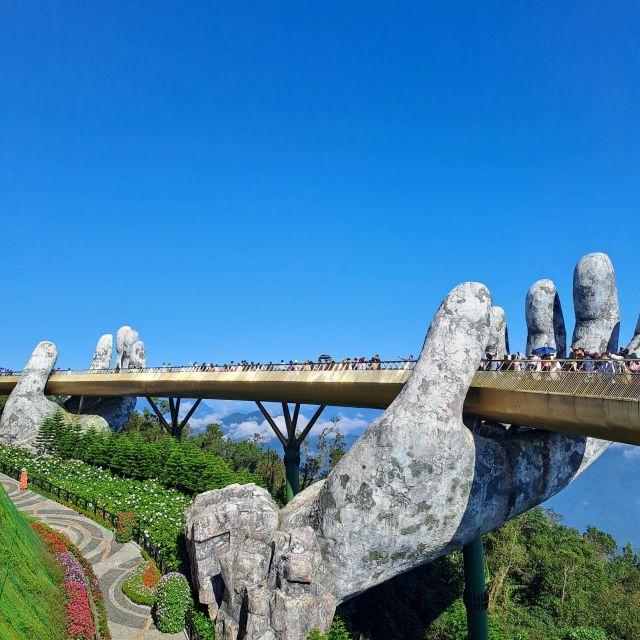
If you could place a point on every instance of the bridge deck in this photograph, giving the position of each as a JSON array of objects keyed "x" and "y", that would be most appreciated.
[{"x": 595, "y": 404}]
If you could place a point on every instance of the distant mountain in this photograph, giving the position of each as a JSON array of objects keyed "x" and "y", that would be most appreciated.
[
  {"x": 606, "y": 495},
  {"x": 239, "y": 418}
]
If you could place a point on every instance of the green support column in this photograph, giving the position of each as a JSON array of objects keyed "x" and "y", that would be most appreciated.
[
  {"x": 291, "y": 443},
  {"x": 292, "y": 470},
  {"x": 475, "y": 596}
]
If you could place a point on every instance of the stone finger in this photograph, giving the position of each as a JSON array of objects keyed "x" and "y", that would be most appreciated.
[
  {"x": 103, "y": 353},
  {"x": 545, "y": 321},
  {"x": 498, "y": 343},
  {"x": 27, "y": 407},
  {"x": 595, "y": 299},
  {"x": 634, "y": 345},
  {"x": 126, "y": 337}
]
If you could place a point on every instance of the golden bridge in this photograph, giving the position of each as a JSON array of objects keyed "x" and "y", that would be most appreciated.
[{"x": 599, "y": 404}]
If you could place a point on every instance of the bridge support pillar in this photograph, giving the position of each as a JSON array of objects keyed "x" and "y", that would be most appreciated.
[
  {"x": 475, "y": 595},
  {"x": 292, "y": 471},
  {"x": 176, "y": 426},
  {"x": 291, "y": 443}
]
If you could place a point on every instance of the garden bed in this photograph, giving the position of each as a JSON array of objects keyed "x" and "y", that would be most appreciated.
[
  {"x": 85, "y": 613},
  {"x": 159, "y": 512}
]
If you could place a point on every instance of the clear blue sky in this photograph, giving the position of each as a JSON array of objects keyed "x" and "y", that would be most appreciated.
[{"x": 269, "y": 180}]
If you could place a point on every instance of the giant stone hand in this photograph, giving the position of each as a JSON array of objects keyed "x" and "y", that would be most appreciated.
[
  {"x": 130, "y": 354},
  {"x": 27, "y": 406},
  {"x": 417, "y": 484}
]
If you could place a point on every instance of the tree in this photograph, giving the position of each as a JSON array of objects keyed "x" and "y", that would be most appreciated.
[
  {"x": 330, "y": 449},
  {"x": 51, "y": 431},
  {"x": 271, "y": 469},
  {"x": 146, "y": 424},
  {"x": 69, "y": 439}
]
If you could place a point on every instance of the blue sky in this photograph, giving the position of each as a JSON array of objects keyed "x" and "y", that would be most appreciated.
[{"x": 277, "y": 180}]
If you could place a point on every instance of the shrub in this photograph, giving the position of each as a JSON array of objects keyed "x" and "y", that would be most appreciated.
[
  {"x": 452, "y": 625},
  {"x": 337, "y": 631},
  {"x": 124, "y": 528},
  {"x": 202, "y": 625},
  {"x": 142, "y": 586},
  {"x": 172, "y": 601},
  {"x": 585, "y": 633}
]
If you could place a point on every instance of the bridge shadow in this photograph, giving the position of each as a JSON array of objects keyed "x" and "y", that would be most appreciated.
[{"x": 406, "y": 605}]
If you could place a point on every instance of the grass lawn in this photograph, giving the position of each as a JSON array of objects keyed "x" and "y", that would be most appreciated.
[{"x": 31, "y": 601}]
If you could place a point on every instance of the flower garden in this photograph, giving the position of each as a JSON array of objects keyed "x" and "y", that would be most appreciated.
[
  {"x": 85, "y": 615},
  {"x": 157, "y": 509},
  {"x": 141, "y": 587}
]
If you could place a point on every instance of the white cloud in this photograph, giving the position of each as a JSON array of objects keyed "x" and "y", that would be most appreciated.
[
  {"x": 346, "y": 425},
  {"x": 245, "y": 430},
  {"x": 215, "y": 411},
  {"x": 629, "y": 451}
]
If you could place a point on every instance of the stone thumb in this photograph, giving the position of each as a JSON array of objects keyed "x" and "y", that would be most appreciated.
[
  {"x": 452, "y": 350},
  {"x": 37, "y": 370}
]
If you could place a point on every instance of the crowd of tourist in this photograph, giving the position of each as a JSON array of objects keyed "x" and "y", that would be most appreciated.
[
  {"x": 578, "y": 360},
  {"x": 323, "y": 363}
]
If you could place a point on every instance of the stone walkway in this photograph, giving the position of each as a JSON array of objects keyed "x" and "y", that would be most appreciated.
[{"x": 112, "y": 562}]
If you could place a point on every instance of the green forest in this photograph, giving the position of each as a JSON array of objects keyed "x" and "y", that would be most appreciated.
[{"x": 545, "y": 581}]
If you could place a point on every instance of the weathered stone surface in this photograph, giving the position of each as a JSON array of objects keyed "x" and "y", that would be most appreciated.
[
  {"x": 137, "y": 356},
  {"x": 103, "y": 353},
  {"x": 545, "y": 322},
  {"x": 498, "y": 342},
  {"x": 257, "y": 581},
  {"x": 126, "y": 337},
  {"x": 27, "y": 407},
  {"x": 634, "y": 345},
  {"x": 595, "y": 299},
  {"x": 416, "y": 485}
]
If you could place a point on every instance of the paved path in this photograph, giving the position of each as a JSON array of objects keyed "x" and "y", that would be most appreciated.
[{"x": 112, "y": 562}]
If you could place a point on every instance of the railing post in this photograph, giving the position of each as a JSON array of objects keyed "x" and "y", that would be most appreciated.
[
  {"x": 292, "y": 470},
  {"x": 475, "y": 595}
]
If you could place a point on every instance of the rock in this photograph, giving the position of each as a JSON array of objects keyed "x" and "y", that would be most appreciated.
[
  {"x": 257, "y": 581},
  {"x": 634, "y": 345},
  {"x": 595, "y": 299},
  {"x": 498, "y": 342},
  {"x": 137, "y": 355},
  {"x": 415, "y": 486},
  {"x": 103, "y": 353},
  {"x": 545, "y": 322},
  {"x": 126, "y": 337},
  {"x": 27, "y": 407}
]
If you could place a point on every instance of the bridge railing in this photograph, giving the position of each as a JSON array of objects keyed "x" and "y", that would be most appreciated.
[
  {"x": 371, "y": 365},
  {"x": 610, "y": 366},
  {"x": 596, "y": 384}
]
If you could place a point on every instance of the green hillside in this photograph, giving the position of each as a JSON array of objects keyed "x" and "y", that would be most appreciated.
[{"x": 31, "y": 602}]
